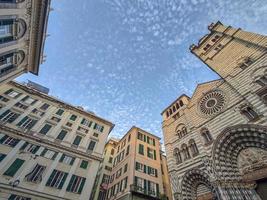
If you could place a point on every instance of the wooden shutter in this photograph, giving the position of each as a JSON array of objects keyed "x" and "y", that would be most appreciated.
[
  {"x": 81, "y": 185},
  {"x": 70, "y": 183},
  {"x": 63, "y": 180},
  {"x": 11, "y": 171},
  {"x": 51, "y": 177},
  {"x": 155, "y": 157},
  {"x": 24, "y": 146}
]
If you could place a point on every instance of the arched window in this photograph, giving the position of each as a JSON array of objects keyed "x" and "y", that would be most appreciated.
[
  {"x": 193, "y": 147},
  {"x": 177, "y": 156},
  {"x": 185, "y": 152},
  {"x": 249, "y": 113},
  {"x": 181, "y": 130},
  {"x": 167, "y": 113},
  {"x": 173, "y": 109},
  {"x": 262, "y": 92},
  {"x": 206, "y": 135},
  {"x": 11, "y": 29},
  {"x": 177, "y": 106},
  {"x": 262, "y": 81},
  {"x": 181, "y": 103},
  {"x": 170, "y": 111},
  {"x": 9, "y": 61}
]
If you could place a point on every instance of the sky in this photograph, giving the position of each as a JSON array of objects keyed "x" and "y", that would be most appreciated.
[{"x": 127, "y": 60}]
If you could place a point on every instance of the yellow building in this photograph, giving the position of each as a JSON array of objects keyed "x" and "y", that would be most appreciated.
[
  {"x": 49, "y": 149},
  {"x": 216, "y": 140},
  {"x": 23, "y": 25},
  {"x": 137, "y": 167},
  {"x": 102, "y": 180}
]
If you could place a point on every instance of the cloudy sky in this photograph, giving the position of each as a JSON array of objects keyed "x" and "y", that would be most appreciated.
[{"x": 126, "y": 60}]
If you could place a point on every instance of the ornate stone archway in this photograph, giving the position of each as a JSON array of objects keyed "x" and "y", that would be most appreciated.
[
  {"x": 190, "y": 182},
  {"x": 225, "y": 152}
]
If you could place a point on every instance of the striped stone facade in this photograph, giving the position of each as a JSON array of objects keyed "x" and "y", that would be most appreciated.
[{"x": 216, "y": 140}]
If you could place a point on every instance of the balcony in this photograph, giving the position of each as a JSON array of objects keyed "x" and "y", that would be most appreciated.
[{"x": 144, "y": 192}]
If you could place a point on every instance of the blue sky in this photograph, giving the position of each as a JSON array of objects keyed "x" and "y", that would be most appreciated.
[{"x": 126, "y": 60}]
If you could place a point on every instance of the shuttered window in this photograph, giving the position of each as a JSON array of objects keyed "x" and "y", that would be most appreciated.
[
  {"x": 2, "y": 156},
  {"x": 61, "y": 135},
  {"x": 57, "y": 179},
  {"x": 35, "y": 175},
  {"x": 45, "y": 129},
  {"x": 76, "y": 184},
  {"x": 67, "y": 159},
  {"x": 14, "y": 167},
  {"x": 141, "y": 149},
  {"x": 77, "y": 140},
  {"x": 84, "y": 164},
  {"x": 91, "y": 145}
]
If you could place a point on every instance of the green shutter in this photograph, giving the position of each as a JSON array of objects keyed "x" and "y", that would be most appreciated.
[
  {"x": 70, "y": 183},
  {"x": 45, "y": 129},
  {"x": 155, "y": 157},
  {"x": 51, "y": 177},
  {"x": 156, "y": 172},
  {"x": 10, "y": 90},
  {"x": 44, "y": 152},
  {"x": 72, "y": 161},
  {"x": 3, "y": 139},
  {"x": 157, "y": 186},
  {"x": 22, "y": 121},
  {"x": 135, "y": 181},
  {"x": 83, "y": 120},
  {"x": 81, "y": 185},
  {"x": 54, "y": 156},
  {"x": 145, "y": 188},
  {"x": 144, "y": 138},
  {"x": 136, "y": 165},
  {"x": 2, "y": 156},
  {"x": 148, "y": 185},
  {"x": 77, "y": 140},
  {"x": 145, "y": 168},
  {"x": 24, "y": 146},
  {"x": 36, "y": 149},
  {"x": 12, "y": 197},
  {"x": 84, "y": 164},
  {"x": 63, "y": 180},
  {"x": 4, "y": 114},
  {"x": 62, "y": 158},
  {"x": 11, "y": 171},
  {"x": 153, "y": 142}
]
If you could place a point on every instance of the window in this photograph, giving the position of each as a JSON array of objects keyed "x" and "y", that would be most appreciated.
[
  {"x": 16, "y": 197},
  {"x": 49, "y": 154},
  {"x": 262, "y": 81},
  {"x": 4, "y": 99},
  {"x": 20, "y": 105},
  {"x": 85, "y": 122},
  {"x": 129, "y": 138},
  {"x": 112, "y": 152},
  {"x": 28, "y": 100},
  {"x": 77, "y": 140},
  {"x": 56, "y": 119},
  {"x": 152, "y": 171},
  {"x": 206, "y": 135},
  {"x": 38, "y": 112},
  {"x": 99, "y": 127},
  {"x": 27, "y": 123},
  {"x": 139, "y": 167},
  {"x": 31, "y": 148},
  {"x": 76, "y": 184},
  {"x": 108, "y": 168},
  {"x": 9, "y": 116},
  {"x": 141, "y": 149},
  {"x": 249, "y": 113},
  {"x": 193, "y": 147},
  {"x": 2, "y": 156},
  {"x": 105, "y": 179},
  {"x": 73, "y": 117},
  {"x": 57, "y": 179},
  {"x": 61, "y": 135},
  {"x": 36, "y": 174},
  {"x": 69, "y": 124},
  {"x": 150, "y": 153},
  {"x": 118, "y": 173},
  {"x": 139, "y": 183},
  {"x": 125, "y": 168},
  {"x": 185, "y": 152},
  {"x": 91, "y": 145},
  {"x": 181, "y": 130},
  {"x": 14, "y": 167},
  {"x": 9, "y": 141},
  {"x": 44, "y": 106},
  {"x": 12, "y": 93},
  {"x": 60, "y": 112},
  {"x": 128, "y": 150},
  {"x": 67, "y": 159},
  {"x": 140, "y": 136},
  {"x": 84, "y": 164},
  {"x": 45, "y": 129},
  {"x": 177, "y": 155},
  {"x": 95, "y": 135},
  {"x": 110, "y": 159}
]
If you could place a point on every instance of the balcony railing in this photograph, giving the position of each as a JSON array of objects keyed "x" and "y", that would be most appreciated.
[{"x": 143, "y": 191}]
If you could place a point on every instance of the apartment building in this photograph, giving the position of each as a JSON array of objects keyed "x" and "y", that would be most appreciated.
[
  {"x": 167, "y": 191},
  {"x": 49, "y": 149},
  {"x": 136, "y": 171},
  {"x": 102, "y": 180},
  {"x": 216, "y": 140},
  {"x": 23, "y": 25}
]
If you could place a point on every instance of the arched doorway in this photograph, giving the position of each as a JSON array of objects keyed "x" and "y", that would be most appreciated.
[
  {"x": 196, "y": 186},
  {"x": 230, "y": 147}
]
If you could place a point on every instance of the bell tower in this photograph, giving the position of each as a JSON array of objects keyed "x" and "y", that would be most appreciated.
[{"x": 227, "y": 50}]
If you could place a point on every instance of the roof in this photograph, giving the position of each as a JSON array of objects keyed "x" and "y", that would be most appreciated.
[{"x": 67, "y": 105}]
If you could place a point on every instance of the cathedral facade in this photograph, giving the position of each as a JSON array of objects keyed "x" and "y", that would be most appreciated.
[{"x": 216, "y": 140}]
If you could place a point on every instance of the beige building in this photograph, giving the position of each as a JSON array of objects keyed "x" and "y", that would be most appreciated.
[
  {"x": 136, "y": 170},
  {"x": 102, "y": 180},
  {"x": 216, "y": 140},
  {"x": 23, "y": 25},
  {"x": 49, "y": 149},
  {"x": 165, "y": 178}
]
